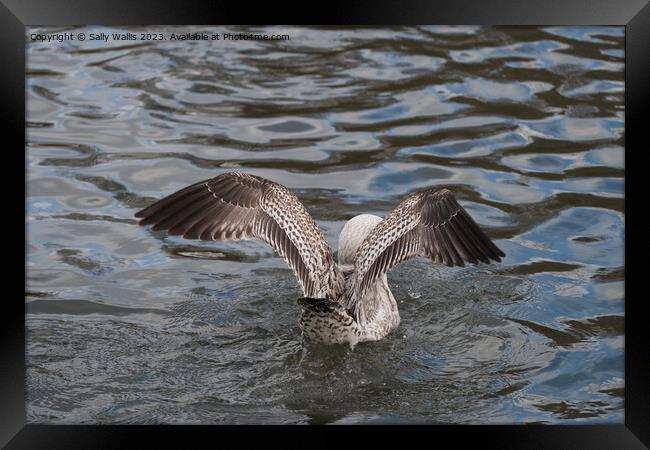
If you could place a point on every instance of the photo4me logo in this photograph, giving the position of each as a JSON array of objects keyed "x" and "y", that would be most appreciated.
[{"x": 156, "y": 36}]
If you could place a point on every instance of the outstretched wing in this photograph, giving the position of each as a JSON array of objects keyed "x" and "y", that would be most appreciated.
[
  {"x": 432, "y": 224},
  {"x": 236, "y": 206}
]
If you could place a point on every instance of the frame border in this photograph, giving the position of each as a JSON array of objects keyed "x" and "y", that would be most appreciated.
[{"x": 15, "y": 15}]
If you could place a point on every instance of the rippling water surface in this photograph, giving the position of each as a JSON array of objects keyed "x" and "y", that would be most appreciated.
[{"x": 524, "y": 124}]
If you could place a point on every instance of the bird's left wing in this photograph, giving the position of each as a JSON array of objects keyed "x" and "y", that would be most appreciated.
[{"x": 236, "y": 206}]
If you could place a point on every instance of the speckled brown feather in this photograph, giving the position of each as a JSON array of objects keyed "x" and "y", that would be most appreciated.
[
  {"x": 234, "y": 206},
  {"x": 432, "y": 224}
]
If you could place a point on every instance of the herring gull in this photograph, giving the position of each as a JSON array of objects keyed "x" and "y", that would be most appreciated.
[{"x": 348, "y": 301}]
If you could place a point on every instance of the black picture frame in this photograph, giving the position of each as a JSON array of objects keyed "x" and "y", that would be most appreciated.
[{"x": 15, "y": 15}]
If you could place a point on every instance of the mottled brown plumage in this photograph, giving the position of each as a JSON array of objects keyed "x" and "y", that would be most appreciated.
[
  {"x": 235, "y": 206},
  {"x": 345, "y": 302},
  {"x": 431, "y": 224}
]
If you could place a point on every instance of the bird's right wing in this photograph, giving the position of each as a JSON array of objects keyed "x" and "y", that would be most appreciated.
[{"x": 430, "y": 223}]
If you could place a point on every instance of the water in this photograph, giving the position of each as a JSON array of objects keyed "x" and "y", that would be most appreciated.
[{"x": 524, "y": 124}]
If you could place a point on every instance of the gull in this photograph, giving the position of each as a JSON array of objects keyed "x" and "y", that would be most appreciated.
[{"x": 348, "y": 301}]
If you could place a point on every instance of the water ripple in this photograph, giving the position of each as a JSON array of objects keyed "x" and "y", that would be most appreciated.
[{"x": 524, "y": 124}]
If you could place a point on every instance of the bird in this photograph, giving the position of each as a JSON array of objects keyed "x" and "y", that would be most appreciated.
[{"x": 346, "y": 301}]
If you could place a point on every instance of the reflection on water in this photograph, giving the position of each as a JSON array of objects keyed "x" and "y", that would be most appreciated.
[{"x": 524, "y": 124}]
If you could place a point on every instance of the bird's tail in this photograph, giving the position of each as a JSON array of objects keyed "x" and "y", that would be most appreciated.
[
  {"x": 323, "y": 305},
  {"x": 310, "y": 301}
]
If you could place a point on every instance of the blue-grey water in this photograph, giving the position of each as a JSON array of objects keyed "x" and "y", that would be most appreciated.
[{"x": 524, "y": 124}]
